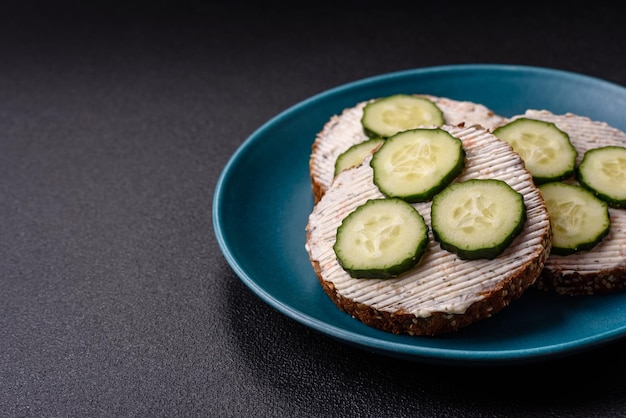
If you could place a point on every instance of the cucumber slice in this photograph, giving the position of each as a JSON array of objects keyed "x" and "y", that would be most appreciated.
[
  {"x": 546, "y": 150},
  {"x": 387, "y": 116},
  {"x": 355, "y": 155},
  {"x": 381, "y": 239},
  {"x": 603, "y": 172},
  {"x": 414, "y": 165},
  {"x": 579, "y": 220},
  {"x": 477, "y": 218}
]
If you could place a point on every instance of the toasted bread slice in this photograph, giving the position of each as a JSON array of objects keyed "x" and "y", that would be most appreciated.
[
  {"x": 603, "y": 268},
  {"x": 442, "y": 293},
  {"x": 344, "y": 130}
]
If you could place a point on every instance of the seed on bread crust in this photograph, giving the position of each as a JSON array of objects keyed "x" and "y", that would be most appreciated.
[{"x": 443, "y": 293}]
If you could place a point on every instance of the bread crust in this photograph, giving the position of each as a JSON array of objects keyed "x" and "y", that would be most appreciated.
[
  {"x": 443, "y": 293},
  {"x": 574, "y": 283},
  {"x": 439, "y": 322}
]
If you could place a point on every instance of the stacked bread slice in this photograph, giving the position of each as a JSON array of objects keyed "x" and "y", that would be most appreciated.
[
  {"x": 603, "y": 268},
  {"x": 442, "y": 293},
  {"x": 344, "y": 130}
]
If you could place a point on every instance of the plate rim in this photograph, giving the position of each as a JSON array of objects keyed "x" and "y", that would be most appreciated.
[{"x": 437, "y": 355}]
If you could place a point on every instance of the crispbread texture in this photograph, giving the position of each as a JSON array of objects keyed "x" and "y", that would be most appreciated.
[
  {"x": 345, "y": 130},
  {"x": 603, "y": 268},
  {"x": 442, "y": 293}
]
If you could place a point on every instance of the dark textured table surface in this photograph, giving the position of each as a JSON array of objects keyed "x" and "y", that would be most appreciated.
[{"x": 116, "y": 120}]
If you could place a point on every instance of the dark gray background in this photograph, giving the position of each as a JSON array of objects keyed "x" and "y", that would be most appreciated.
[{"x": 116, "y": 119}]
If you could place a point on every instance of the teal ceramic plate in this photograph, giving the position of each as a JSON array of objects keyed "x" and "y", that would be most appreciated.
[{"x": 263, "y": 198}]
